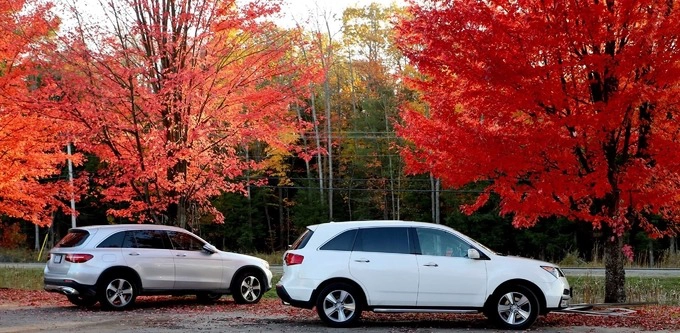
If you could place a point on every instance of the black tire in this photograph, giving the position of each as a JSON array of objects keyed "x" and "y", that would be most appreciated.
[
  {"x": 248, "y": 287},
  {"x": 208, "y": 298},
  {"x": 513, "y": 307},
  {"x": 339, "y": 305},
  {"x": 117, "y": 292},
  {"x": 84, "y": 301}
]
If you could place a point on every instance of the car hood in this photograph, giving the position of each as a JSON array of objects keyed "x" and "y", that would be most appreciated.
[
  {"x": 244, "y": 258},
  {"x": 526, "y": 261}
]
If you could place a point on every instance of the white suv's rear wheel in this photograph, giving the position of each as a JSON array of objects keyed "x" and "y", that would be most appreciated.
[
  {"x": 117, "y": 293},
  {"x": 513, "y": 307},
  {"x": 339, "y": 305}
]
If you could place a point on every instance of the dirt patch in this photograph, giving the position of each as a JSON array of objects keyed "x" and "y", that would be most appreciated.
[{"x": 39, "y": 311}]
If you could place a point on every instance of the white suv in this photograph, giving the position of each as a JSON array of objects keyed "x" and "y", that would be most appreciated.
[
  {"x": 113, "y": 264},
  {"x": 395, "y": 266}
]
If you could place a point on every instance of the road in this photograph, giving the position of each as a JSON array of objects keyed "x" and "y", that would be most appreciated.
[
  {"x": 569, "y": 271},
  {"x": 184, "y": 315}
]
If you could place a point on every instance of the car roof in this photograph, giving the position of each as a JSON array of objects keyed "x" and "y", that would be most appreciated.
[
  {"x": 373, "y": 223},
  {"x": 131, "y": 226}
]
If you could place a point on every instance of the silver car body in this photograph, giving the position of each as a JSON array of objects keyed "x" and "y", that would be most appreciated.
[{"x": 168, "y": 270}]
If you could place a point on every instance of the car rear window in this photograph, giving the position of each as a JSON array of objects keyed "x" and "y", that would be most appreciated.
[
  {"x": 75, "y": 237},
  {"x": 114, "y": 241},
  {"x": 302, "y": 240},
  {"x": 342, "y": 242}
]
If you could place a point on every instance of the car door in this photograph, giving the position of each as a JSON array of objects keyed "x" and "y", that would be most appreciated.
[
  {"x": 148, "y": 253},
  {"x": 447, "y": 277},
  {"x": 195, "y": 269},
  {"x": 383, "y": 264}
]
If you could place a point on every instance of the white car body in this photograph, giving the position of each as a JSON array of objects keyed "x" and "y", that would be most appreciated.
[
  {"x": 89, "y": 259},
  {"x": 462, "y": 279}
]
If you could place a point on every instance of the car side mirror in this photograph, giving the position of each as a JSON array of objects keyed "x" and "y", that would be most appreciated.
[
  {"x": 209, "y": 248},
  {"x": 473, "y": 254}
]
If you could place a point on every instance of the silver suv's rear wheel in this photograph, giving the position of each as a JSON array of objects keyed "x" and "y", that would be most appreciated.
[
  {"x": 208, "y": 298},
  {"x": 117, "y": 293},
  {"x": 79, "y": 300},
  {"x": 513, "y": 307},
  {"x": 338, "y": 305}
]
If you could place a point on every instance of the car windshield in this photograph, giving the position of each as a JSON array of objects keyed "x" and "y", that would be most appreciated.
[
  {"x": 484, "y": 247},
  {"x": 74, "y": 238}
]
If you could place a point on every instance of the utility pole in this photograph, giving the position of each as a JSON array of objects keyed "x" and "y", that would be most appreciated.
[{"x": 70, "y": 179}]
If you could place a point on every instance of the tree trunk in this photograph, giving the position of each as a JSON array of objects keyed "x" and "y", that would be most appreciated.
[
  {"x": 281, "y": 219},
  {"x": 434, "y": 184},
  {"x": 615, "y": 275},
  {"x": 182, "y": 214}
]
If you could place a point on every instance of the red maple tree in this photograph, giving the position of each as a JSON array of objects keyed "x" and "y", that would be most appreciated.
[
  {"x": 31, "y": 145},
  {"x": 169, "y": 96},
  {"x": 565, "y": 108}
]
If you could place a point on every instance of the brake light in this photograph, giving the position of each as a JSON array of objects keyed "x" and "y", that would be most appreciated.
[
  {"x": 78, "y": 258},
  {"x": 293, "y": 259}
]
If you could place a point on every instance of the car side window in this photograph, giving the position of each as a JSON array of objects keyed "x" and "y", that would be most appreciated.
[
  {"x": 382, "y": 239},
  {"x": 146, "y": 239},
  {"x": 434, "y": 242},
  {"x": 113, "y": 241},
  {"x": 341, "y": 242},
  {"x": 184, "y": 241}
]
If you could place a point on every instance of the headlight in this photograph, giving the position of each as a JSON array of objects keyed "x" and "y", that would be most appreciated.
[{"x": 554, "y": 271}]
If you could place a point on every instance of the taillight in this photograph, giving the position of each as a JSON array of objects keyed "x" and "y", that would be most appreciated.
[
  {"x": 293, "y": 259},
  {"x": 78, "y": 258}
]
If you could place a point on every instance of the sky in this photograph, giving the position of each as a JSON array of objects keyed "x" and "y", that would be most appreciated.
[{"x": 304, "y": 10}]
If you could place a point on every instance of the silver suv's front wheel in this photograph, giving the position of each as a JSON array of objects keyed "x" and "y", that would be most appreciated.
[
  {"x": 338, "y": 305},
  {"x": 247, "y": 288}
]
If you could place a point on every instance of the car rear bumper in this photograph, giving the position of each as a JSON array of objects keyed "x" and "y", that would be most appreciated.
[
  {"x": 286, "y": 299},
  {"x": 68, "y": 287}
]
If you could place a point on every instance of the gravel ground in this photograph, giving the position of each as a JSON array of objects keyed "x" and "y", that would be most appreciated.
[{"x": 185, "y": 315}]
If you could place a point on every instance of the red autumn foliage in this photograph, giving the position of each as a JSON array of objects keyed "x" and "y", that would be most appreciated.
[
  {"x": 563, "y": 108},
  {"x": 645, "y": 318},
  {"x": 171, "y": 96},
  {"x": 31, "y": 145}
]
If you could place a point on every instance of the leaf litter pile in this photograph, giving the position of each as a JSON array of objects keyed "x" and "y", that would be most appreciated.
[{"x": 650, "y": 317}]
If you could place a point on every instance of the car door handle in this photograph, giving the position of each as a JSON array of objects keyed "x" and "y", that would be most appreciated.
[
  {"x": 362, "y": 260},
  {"x": 431, "y": 265},
  {"x": 133, "y": 253},
  {"x": 181, "y": 255}
]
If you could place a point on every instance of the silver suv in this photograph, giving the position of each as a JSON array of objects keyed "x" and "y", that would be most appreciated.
[{"x": 114, "y": 264}]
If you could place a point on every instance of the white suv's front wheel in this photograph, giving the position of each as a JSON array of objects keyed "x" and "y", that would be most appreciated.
[
  {"x": 513, "y": 307},
  {"x": 339, "y": 305}
]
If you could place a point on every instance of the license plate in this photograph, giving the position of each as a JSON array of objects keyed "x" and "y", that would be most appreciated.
[{"x": 57, "y": 259}]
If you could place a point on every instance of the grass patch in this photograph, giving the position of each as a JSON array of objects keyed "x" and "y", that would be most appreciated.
[
  {"x": 272, "y": 258},
  {"x": 590, "y": 289},
  {"x": 21, "y": 278}
]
